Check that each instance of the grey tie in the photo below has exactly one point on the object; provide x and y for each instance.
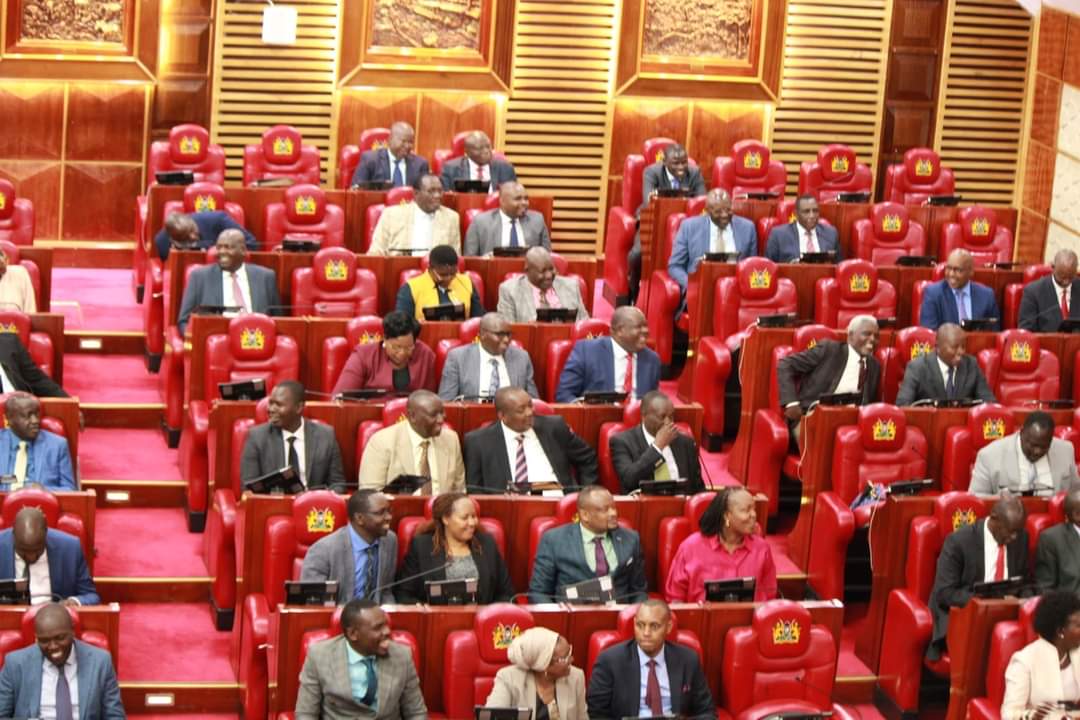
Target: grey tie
(494, 384)
(63, 697)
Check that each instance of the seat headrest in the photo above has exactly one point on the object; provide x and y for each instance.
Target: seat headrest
(857, 280)
(364, 329)
(7, 199)
(757, 277)
(590, 328)
(496, 626)
(457, 145)
(890, 221)
(695, 206)
(316, 514)
(394, 411)
(922, 166)
(915, 341)
(653, 149)
(305, 204)
(882, 427)
(334, 269)
(625, 623)
(281, 144)
(1031, 272)
(204, 197)
(785, 212)
(696, 505)
(542, 408)
(335, 620)
(399, 196)
(11, 250)
(252, 337)
(631, 415)
(782, 628)
(751, 158)
(1019, 350)
(836, 161)
(469, 331)
(989, 422)
(808, 336)
(13, 321)
(30, 497)
(188, 144)
(27, 624)
(374, 139)
(954, 510)
(977, 224)
(262, 410)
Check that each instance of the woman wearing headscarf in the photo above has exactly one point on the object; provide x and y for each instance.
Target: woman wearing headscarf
(542, 677)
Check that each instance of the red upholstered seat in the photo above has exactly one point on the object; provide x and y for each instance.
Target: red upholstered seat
(631, 417)
(908, 622)
(39, 344)
(11, 640)
(394, 196)
(785, 213)
(676, 528)
(1018, 370)
(977, 230)
(286, 538)
(836, 170)
(457, 149)
(203, 197)
(558, 351)
(49, 504)
(909, 343)
(856, 290)
(281, 154)
(472, 657)
(919, 287)
(917, 178)
(985, 424)
(749, 168)
(333, 286)
(1015, 291)
(888, 234)
(468, 332)
(16, 216)
(171, 376)
(304, 214)
(1007, 638)
(408, 526)
(336, 350)
(349, 155)
(603, 639)
(756, 289)
(393, 412)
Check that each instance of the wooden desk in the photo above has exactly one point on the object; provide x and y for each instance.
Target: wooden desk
(968, 639)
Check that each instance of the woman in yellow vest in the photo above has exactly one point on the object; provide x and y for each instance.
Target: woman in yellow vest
(441, 284)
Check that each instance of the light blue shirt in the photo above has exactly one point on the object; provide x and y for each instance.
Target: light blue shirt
(661, 675)
(358, 674)
(48, 460)
(963, 302)
(360, 559)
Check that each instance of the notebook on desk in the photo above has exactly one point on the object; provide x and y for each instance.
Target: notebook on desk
(472, 186)
(556, 315)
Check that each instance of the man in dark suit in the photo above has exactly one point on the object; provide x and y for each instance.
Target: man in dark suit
(478, 163)
(593, 547)
(649, 676)
(393, 164)
(52, 560)
(1057, 556)
(231, 282)
(718, 230)
(958, 297)
(197, 231)
(787, 243)
(620, 363)
(59, 676)
(512, 224)
(308, 447)
(655, 449)
(18, 373)
(1051, 299)
(963, 562)
(946, 373)
(522, 448)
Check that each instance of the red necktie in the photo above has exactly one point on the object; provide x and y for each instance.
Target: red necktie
(811, 246)
(652, 691)
(628, 381)
(999, 569)
(1064, 304)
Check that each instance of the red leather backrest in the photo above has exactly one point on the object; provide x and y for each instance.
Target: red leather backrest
(751, 159)
(334, 269)
(889, 221)
(252, 337)
(13, 321)
(7, 199)
(1018, 351)
(281, 145)
(188, 144)
(836, 162)
(989, 422)
(374, 139)
(922, 166)
(364, 329)
(857, 280)
(911, 342)
(204, 197)
(316, 514)
(30, 497)
(305, 204)
(394, 411)
(757, 278)
(882, 427)
(653, 149)
(807, 336)
(590, 328)
(496, 626)
(631, 413)
(977, 224)
(27, 623)
(400, 196)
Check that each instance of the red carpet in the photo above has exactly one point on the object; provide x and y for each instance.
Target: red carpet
(126, 454)
(147, 542)
(173, 642)
(95, 299)
(129, 382)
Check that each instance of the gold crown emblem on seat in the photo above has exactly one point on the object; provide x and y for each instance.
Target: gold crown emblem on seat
(919, 348)
(980, 227)
(960, 518)
(890, 223)
(792, 217)
(3, 201)
(786, 632)
(336, 270)
(1020, 352)
(760, 280)
(751, 160)
(205, 203)
(305, 205)
(379, 145)
(8, 328)
(884, 431)
(366, 338)
(860, 283)
(320, 520)
(659, 155)
(503, 635)
(283, 146)
(839, 164)
(252, 339)
(993, 429)
(189, 145)
(811, 344)
(924, 168)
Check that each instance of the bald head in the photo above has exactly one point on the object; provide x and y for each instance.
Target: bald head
(539, 267)
(513, 406)
(494, 334)
(629, 328)
(29, 532)
(718, 207)
(1006, 519)
(1064, 267)
(513, 200)
(478, 147)
(951, 341)
(424, 411)
(959, 267)
(401, 139)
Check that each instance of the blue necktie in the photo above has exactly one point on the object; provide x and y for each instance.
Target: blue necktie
(398, 179)
(675, 183)
(513, 234)
(961, 311)
(494, 386)
(63, 697)
(950, 383)
(372, 683)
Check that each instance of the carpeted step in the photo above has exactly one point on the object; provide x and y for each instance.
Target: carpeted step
(95, 299)
(147, 543)
(172, 642)
(109, 379)
(126, 454)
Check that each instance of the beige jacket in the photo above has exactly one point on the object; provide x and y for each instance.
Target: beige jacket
(394, 231)
(389, 453)
(515, 687)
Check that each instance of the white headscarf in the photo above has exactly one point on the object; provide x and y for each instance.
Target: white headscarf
(532, 649)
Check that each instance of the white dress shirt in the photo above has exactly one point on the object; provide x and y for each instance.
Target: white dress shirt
(622, 358)
(504, 237)
(415, 440)
(536, 460)
(50, 675)
(721, 240)
(299, 445)
(391, 161)
(473, 173)
(990, 554)
(669, 457)
(1034, 476)
(422, 230)
(228, 298)
(5, 382)
(661, 677)
(40, 581)
(802, 239)
(485, 371)
(849, 381)
(945, 373)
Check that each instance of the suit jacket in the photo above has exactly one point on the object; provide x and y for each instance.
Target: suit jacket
(939, 305)
(997, 467)
(517, 305)
(1057, 559)
(487, 464)
(204, 288)
(1039, 302)
(817, 372)
(264, 452)
(21, 370)
(485, 232)
(493, 579)
(462, 374)
(326, 691)
(374, 166)
(210, 224)
(331, 558)
(389, 453)
(692, 242)
(635, 461)
(655, 178)
(783, 243)
(369, 367)
(1033, 677)
(499, 171)
(591, 367)
(560, 561)
(99, 693)
(394, 230)
(922, 380)
(615, 686)
(959, 566)
(68, 573)
(515, 687)
(48, 461)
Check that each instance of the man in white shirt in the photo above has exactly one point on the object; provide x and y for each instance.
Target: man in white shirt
(476, 370)
(620, 363)
(788, 242)
(51, 560)
(511, 225)
(1031, 461)
(415, 227)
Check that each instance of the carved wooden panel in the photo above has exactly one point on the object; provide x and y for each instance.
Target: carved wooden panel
(180, 100)
(908, 126)
(97, 214)
(918, 23)
(443, 115)
(716, 126)
(361, 109)
(912, 76)
(638, 119)
(186, 39)
(106, 122)
(33, 120)
(40, 182)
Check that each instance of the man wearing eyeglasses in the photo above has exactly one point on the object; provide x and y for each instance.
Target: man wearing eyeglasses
(475, 371)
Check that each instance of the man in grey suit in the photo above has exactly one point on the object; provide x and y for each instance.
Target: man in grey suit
(946, 373)
(512, 224)
(307, 446)
(1057, 556)
(787, 243)
(231, 282)
(540, 286)
(37, 681)
(478, 163)
(362, 556)
(477, 370)
(361, 673)
(1029, 461)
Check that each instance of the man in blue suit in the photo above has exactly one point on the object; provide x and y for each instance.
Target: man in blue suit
(53, 561)
(231, 282)
(718, 230)
(197, 231)
(958, 297)
(394, 164)
(787, 243)
(28, 453)
(78, 681)
(603, 364)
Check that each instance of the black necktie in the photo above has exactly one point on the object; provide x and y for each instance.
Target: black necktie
(63, 697)
(950, 383)
(294, 458)
(862, 373)
(372, 570)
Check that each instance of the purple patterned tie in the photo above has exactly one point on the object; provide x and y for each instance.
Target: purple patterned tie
(601, 558)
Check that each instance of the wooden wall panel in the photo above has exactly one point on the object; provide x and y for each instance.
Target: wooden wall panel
(33, 121)
(185, 44)
(180, 100)
(40, 182)
(635, 120)
(106, 123)
(358, 110)
(716, 126)
(93, 209)
(444, 115)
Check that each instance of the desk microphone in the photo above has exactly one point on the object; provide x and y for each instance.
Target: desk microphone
(430, 571)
